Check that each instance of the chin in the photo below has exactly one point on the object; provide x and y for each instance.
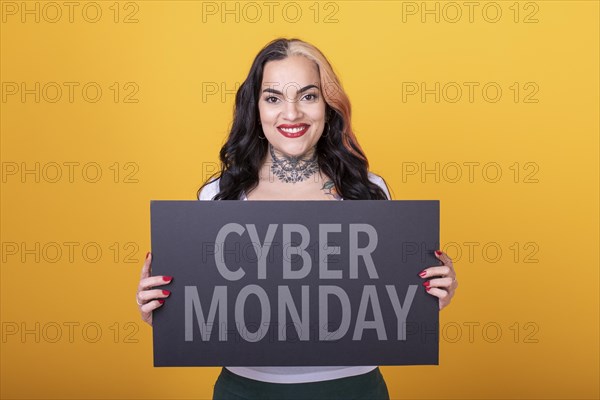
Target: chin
(292, 149)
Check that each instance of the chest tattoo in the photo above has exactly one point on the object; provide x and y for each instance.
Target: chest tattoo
(329, 188)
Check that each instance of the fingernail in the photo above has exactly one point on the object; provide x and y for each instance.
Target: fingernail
(422, 273)
(167, 278)
(161, 301)
(439, 253)
(428, 288)
(426, 283)
(147, 254)
(166, 292)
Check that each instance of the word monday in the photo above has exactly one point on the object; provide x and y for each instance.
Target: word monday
(298, 310)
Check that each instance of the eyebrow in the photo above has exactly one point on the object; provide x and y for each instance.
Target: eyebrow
(302, 90)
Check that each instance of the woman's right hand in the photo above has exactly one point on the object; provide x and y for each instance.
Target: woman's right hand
(147, 297)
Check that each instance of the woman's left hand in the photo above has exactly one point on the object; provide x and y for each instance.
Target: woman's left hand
(444, 283)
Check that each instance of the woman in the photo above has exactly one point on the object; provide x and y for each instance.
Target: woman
(292, 139)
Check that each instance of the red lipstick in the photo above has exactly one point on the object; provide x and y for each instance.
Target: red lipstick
(293, 130)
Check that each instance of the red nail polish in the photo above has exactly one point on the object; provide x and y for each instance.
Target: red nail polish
(439, 253)
(167, 278)
(161, 301)
(428, 288)
(147, 254)
(426, 283)
(422, 273)
(166, 292)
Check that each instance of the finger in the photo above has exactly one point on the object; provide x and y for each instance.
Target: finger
(443, 257)
(146, 268)
(152, 305)
(445, 282)
(147, 295)
(444, 300)
(439, 293)
(435, 271)
(153, 281)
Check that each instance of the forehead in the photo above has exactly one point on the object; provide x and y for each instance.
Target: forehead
(296, 70)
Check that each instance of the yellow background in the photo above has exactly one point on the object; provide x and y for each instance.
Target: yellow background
(547, 310)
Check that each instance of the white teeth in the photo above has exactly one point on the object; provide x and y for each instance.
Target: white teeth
(293, 130)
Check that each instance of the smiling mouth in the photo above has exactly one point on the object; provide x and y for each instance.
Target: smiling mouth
(293, 131)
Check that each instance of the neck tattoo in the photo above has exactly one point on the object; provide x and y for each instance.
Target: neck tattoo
(293, 169)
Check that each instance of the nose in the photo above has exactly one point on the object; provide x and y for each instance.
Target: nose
(292, 110)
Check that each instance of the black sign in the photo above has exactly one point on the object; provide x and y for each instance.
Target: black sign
(295, 283)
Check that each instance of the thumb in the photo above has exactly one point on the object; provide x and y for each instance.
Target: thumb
(147, 268)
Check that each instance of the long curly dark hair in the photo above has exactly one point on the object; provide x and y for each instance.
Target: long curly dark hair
(339, 155)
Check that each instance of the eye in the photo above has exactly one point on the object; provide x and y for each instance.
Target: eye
(314, 96)
(268, 99)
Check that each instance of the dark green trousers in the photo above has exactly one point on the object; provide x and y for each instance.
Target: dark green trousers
(369, 386)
